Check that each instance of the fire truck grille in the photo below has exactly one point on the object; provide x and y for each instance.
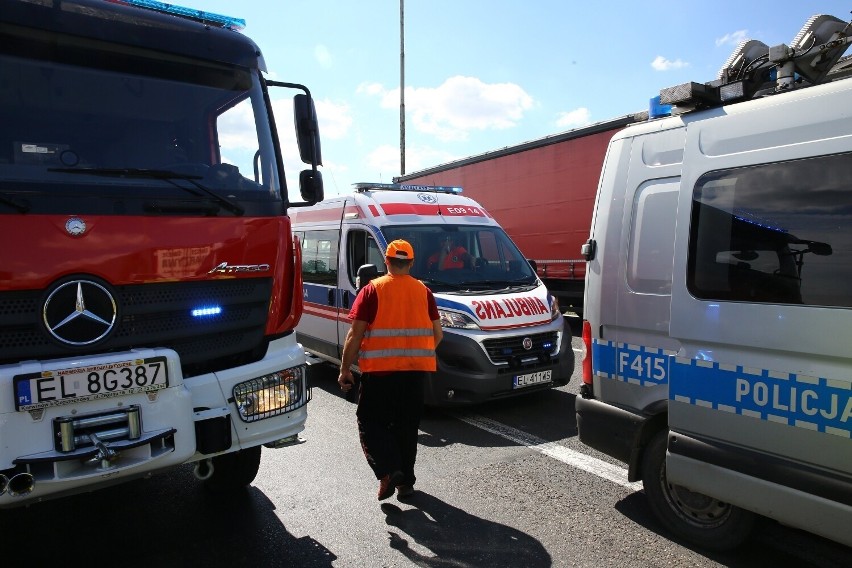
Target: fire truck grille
(511, 350)
(155, 315)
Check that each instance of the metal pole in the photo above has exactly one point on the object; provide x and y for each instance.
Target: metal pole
(401, 87)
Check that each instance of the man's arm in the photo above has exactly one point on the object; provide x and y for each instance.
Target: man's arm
(437, 331)
(350, 352)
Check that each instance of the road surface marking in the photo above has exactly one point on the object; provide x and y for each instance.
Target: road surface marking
(568, 456)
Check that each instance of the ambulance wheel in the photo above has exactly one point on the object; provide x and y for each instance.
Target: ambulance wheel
(707, 522)
(234, 471)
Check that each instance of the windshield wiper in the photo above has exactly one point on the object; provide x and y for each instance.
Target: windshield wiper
(165, 175)
(518, 282)
(441, 283)
(22, 207)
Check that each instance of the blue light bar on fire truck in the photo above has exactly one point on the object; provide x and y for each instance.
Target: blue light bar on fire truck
(361, 187)
(226, 22)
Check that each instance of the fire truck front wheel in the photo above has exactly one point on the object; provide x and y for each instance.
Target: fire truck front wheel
(703, 520)
(234, 471)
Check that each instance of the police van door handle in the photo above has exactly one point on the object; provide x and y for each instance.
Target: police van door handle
(331, 293)
(345, 298)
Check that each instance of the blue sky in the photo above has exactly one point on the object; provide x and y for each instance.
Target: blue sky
(481, 75)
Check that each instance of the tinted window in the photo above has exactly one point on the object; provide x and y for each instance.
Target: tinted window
(774, 233)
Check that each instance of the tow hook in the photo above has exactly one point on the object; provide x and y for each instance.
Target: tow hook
(203, 469)
(105, 454)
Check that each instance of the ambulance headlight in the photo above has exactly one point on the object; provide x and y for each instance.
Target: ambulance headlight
(456, 320)
(555, 312)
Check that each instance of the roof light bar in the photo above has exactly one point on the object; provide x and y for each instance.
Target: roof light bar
(364, 186)
(226, 22)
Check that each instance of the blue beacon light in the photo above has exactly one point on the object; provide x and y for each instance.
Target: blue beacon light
(206, 312)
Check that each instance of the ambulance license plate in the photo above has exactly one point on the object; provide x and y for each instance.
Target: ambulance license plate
(531, 379)
(78, 384)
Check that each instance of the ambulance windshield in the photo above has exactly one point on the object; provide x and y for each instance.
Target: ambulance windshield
(459, 258)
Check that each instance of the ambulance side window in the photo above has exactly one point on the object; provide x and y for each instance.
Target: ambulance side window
(362, 249)
(319, 257)
(774, 233)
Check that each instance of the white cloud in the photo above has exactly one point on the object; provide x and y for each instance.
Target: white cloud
(660, 63)
(458, 105)
(385, 160)
(732, 38)
(323, 56)
(577, 117)
(334, 119)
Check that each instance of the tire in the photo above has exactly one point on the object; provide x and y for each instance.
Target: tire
(703, 520)
(234, 472)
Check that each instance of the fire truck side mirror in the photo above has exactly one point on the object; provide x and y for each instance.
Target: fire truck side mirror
(310, 186)
(307, 130)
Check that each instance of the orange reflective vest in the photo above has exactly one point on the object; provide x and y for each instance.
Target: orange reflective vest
(401, 337)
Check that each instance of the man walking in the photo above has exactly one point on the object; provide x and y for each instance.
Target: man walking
(395, 329)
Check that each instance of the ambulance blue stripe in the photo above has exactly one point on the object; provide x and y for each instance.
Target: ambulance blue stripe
(813, 403)
(443, 302)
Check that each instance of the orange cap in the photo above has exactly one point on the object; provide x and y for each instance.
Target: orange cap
(399, 249)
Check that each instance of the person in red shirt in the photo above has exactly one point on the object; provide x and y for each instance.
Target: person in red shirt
(395, 329)
(449, 256)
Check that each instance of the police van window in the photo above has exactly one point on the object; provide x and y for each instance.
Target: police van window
(362, 249)
(774, 233)
(651, 248)
(319, 257)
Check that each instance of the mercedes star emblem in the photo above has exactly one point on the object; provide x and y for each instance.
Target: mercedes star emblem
(75, 226)
(79, 312)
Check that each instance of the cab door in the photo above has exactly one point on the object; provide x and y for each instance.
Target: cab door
(317, 330)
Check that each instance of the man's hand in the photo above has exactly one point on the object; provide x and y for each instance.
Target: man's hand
(345, 379)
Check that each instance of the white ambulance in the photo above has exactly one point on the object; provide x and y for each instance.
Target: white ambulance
(503, 332)
(718, 298)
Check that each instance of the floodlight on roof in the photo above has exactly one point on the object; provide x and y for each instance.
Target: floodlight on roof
(823, 40)
(748, 54)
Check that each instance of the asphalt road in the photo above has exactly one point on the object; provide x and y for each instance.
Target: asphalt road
(503, 484)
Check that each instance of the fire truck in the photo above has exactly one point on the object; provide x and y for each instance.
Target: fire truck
(149, 282)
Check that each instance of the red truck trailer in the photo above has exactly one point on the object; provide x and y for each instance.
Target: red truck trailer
(149, 280)
(542, 192)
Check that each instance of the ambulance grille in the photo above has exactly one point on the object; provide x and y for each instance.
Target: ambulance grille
(511, 351)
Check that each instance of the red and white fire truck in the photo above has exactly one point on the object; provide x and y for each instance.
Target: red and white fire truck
(147, 265)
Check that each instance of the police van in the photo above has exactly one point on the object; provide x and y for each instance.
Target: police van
(718, 325)
(503, 332)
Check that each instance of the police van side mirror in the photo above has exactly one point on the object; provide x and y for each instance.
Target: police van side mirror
(588, 250)
(366, 272)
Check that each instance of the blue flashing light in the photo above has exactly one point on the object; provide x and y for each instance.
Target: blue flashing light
(547, 345)
(405, 187)
(657, 110)
(226, 22)
(206, 312)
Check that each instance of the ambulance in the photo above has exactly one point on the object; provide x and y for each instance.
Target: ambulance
(718, 322)
(503, 332)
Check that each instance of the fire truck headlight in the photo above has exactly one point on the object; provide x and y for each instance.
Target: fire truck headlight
(456, 320)
(271, 395)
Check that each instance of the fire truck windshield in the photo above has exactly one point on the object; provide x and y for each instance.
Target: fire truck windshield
(82, 124)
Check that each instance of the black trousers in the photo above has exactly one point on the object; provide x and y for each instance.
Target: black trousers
(389, 411)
